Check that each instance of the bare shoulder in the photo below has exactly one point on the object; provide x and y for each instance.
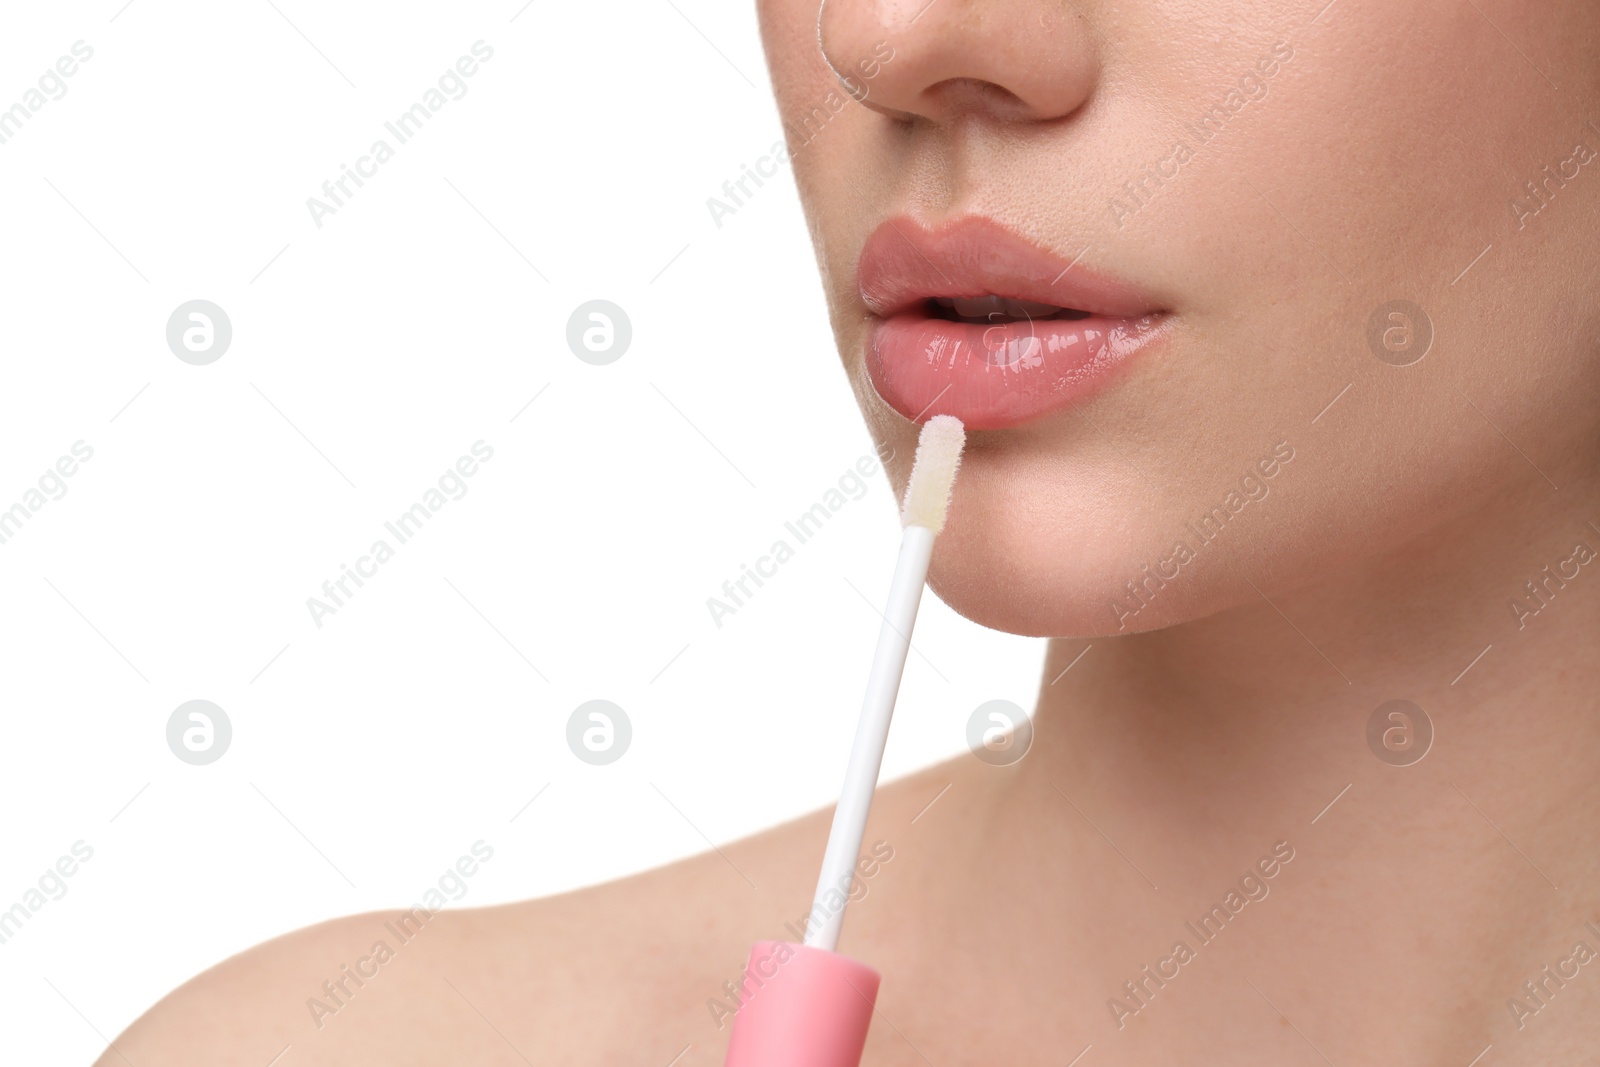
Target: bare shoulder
(638, 970)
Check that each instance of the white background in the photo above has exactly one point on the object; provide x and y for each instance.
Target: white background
(367, 355)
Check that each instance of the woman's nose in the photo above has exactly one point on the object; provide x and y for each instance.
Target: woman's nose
(1007, 60)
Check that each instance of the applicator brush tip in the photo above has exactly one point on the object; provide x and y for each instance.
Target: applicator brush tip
(933, 472)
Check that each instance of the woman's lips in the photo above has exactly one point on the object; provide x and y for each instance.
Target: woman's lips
(1006, 368)
(993, 377)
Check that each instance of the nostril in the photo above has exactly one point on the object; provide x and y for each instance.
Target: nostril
(955, 97)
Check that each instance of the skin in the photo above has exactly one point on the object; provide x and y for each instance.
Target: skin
(1230, 715)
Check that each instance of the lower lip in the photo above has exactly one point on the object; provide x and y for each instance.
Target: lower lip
(996, 377)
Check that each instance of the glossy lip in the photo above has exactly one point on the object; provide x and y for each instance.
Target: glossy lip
(1004, 375)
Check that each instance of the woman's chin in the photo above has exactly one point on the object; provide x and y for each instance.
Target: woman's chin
(1018, 586)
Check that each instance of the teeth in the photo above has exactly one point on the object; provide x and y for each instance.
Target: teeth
(1028, 309)
(978, 307)
(995, 308)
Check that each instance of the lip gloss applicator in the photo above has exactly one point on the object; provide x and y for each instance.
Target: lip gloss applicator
(806, 1005)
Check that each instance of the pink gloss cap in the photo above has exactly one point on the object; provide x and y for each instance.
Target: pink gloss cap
(806, 1007)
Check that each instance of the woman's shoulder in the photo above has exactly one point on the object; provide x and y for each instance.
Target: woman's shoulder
(641, 969)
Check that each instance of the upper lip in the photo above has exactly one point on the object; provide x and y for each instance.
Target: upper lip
(904, 263)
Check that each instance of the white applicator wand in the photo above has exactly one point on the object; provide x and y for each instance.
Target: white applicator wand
(806, 1005)
(933, 475)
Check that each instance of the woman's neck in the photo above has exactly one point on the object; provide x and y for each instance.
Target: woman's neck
(1193, 751)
